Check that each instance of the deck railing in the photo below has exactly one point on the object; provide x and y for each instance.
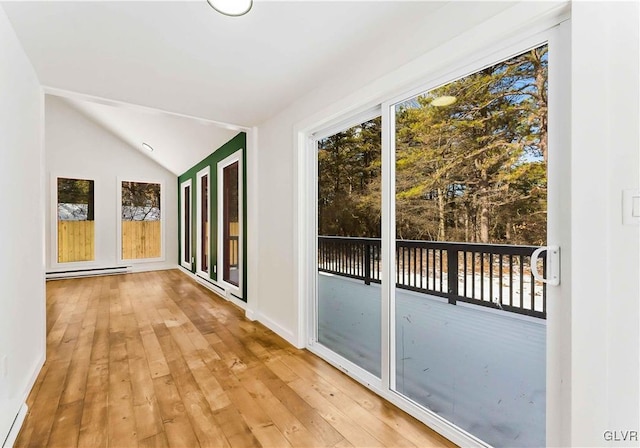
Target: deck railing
(491, 275)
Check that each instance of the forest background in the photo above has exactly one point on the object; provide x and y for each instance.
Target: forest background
(474, 170)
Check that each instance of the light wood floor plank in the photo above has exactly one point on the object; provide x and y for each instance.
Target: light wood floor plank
(156, 360)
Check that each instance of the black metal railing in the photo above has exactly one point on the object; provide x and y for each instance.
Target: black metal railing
(492, 275)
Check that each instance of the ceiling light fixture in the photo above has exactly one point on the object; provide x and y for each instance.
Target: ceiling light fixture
(233, 8)
(443, 101)
(147, 147)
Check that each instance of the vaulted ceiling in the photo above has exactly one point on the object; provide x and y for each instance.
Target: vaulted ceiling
(185, 58)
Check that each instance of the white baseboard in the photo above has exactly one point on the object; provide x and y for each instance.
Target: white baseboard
(250, 314)
(277, 329)
(34, 377)
(16, 427)
(151, 267)
(215, 288)
(22, 412)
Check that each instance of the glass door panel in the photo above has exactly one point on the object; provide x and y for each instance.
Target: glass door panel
(203, 212)
(185, 233)
(349, 250)
(204, 223)
(469, 338)
(231, 224)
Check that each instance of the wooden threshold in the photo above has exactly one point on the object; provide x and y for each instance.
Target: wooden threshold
(155, 360)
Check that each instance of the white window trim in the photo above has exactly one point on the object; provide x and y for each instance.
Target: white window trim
(230, 289)
(552, 31)
(183, 243)
(128, 261)
(351, 121)
(202, 173)
(55, 264)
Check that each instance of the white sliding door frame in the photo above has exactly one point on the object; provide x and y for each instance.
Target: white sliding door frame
(558, 326)
(318, 348)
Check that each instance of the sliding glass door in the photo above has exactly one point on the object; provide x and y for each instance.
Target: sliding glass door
(349, 256)
(470, 209)
(426, 250)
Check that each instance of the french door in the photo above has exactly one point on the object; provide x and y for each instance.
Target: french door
(186, 255)
(203, 227)
(429, 215)
(230, 225)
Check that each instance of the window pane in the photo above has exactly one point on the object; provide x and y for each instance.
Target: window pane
(76, 237)
(349, 248)
(231, 224)
(471, 207)
(204, 224)
(141, 221)
(186, 228)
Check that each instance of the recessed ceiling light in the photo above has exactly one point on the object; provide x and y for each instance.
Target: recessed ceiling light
(443, 101)
(147, 147)
(232, 8)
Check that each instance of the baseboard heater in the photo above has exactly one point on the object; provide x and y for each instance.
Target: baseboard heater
(87, 272)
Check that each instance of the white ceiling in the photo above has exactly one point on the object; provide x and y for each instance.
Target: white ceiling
(185, 57)
(124, 62)
(178, 142)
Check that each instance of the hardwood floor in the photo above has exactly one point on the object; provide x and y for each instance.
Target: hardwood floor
(156, 360)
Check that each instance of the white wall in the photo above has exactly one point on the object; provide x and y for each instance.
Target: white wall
(605, 253)
(603, 282)
(277, 181)
(22, 299)
(77, 147)
(471, 27)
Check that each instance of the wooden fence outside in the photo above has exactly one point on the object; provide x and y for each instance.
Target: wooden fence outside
(76, 241)
(141, 239)
(234, 243)
(234, 228)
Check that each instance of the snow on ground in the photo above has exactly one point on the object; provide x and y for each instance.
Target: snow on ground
(480, 288)
(482, 369)
(72, 212)
(137, 213)
(79, 212)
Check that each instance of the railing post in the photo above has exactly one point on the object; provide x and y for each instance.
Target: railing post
(452, 275)
(367, 263)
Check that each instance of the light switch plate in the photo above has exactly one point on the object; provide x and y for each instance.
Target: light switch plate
(631, 207)
(635, 207)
